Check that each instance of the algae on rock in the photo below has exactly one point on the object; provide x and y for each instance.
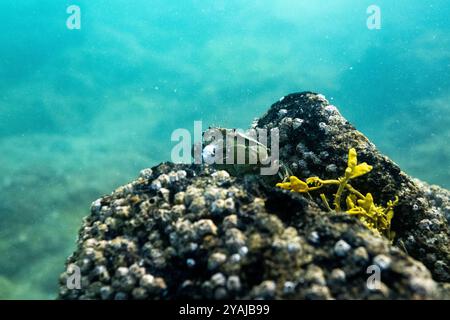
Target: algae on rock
(193, 231)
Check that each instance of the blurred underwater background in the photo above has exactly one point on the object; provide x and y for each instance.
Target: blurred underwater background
(83, 111)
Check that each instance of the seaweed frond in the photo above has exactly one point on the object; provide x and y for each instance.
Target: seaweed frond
(375, 217)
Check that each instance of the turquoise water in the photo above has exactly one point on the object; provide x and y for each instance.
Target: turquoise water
(82, 111)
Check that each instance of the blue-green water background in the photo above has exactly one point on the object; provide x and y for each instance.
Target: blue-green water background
(82, 111)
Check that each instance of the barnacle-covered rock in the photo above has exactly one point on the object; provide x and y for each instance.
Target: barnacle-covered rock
(194, 231)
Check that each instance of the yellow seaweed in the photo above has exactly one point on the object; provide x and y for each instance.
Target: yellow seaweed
(375, 217)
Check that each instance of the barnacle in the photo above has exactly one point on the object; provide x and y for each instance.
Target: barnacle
(373, 216)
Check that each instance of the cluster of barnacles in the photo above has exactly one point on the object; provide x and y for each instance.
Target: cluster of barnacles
(375, 217)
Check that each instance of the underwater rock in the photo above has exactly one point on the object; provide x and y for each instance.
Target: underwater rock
(193, 231)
